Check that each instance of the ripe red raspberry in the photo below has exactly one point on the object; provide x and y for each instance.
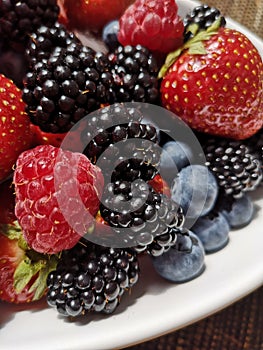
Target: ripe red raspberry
(57, 196)
(154, 24)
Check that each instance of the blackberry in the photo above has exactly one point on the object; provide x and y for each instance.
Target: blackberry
(236, 169)
(91, 278)
(202, 16)
(118, 133)
(135, 73)
(45, 39)
(66, 82)
(106, 118)
(176, 238)
(139, 214)
(142, 166)
(160, 244)
(128, 160)
(18, 19)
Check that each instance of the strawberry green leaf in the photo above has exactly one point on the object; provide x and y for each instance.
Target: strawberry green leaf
(40, 285)
(193, 28)
(24, 273)
(197, 49)
(29, 269)
(22, 243)
(170, 59)
(11, 231)
(33, 269)
(194, 46)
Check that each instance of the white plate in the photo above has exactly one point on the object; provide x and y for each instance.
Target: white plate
(155, 307)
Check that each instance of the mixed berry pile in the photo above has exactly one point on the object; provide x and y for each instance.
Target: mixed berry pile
(90, 180)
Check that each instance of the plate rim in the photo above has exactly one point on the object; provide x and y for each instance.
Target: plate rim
(124, 342)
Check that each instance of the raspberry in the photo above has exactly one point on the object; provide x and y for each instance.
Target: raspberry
(154, 24)
(57, 195)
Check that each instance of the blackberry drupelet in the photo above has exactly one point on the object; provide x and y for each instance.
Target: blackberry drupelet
(118, 133)
(236, 169)
(18, 19)
(129, 160)
(123, 147)
(176, 238)
(45, 39)
(160, 244)
(65, 84)
(135, 73)
(107, 118)
(91, 278)
(141, 216)
(203, 17)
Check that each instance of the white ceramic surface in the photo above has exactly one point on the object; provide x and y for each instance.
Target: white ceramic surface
(155, 306)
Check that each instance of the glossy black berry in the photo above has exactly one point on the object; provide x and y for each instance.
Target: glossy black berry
(91, 278)
(236, 169)
(123, 147)
(135, 71)
(66, 80)
(203, 16)
(140, 216)
(20, 18)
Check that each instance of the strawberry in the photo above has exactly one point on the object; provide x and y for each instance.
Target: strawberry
(57, 195)
(160, 185)
(62, 18)
(15, 133)
(69, 140)
(23, 272)
(154, 24)
(45, 138)
(94, 14)
(216, 83)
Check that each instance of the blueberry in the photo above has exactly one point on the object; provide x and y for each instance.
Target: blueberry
(241, 212)
(181, 265)
(110, 35)
(195, 189)
(213, 231)
(175, 156)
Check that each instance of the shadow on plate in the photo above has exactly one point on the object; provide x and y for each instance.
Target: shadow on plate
(149, 283)
(9, 310)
